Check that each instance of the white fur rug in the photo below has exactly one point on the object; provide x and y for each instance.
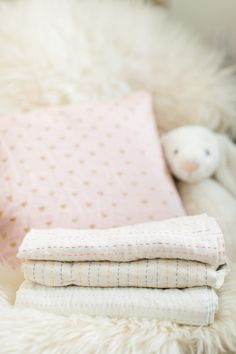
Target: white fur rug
(34, 332)
(60, 51)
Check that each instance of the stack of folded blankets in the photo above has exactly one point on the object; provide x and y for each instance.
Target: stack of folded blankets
(163, 270)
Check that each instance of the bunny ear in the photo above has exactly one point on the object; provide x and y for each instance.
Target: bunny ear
(226, 172)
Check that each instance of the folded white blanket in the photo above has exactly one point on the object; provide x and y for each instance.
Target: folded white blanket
(193, 306)
(156, 273)
(196, 238)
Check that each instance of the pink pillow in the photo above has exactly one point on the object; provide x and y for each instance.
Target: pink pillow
(89, 166)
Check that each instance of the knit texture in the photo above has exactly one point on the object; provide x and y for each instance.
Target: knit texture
(197, 238)
(193, 306)
(155, 273)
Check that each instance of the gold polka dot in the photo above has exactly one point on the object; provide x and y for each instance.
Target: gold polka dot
(13, 244)
(39, 138)
(52, 167)
(110, 183)
(42, 178)
(122, 152)
(106, 163)
(75, 194)
(51, 194)
(86, 183)
(127, 163)
(7, 178)
(68, 156)
(24, 204)
(152, 188)
(26, 229)
(12, 219)
(144, 173)
(49, 223)
(19, 184)
(71, 172)
(41, 208)
(92, 153)
(109, 135)
(1, 213)
(28, 125)
(12, 147)
(94, 172)
(4, 235)
(88, 205)
(19, 136)
(52, 147)
(104, 215)
(120, 173)
(61, 183)
(144, 201)
(62, 137)
(114, 205)
(84, 136)
(10, 198)
(134, 183)
(75, 220)
(81, 161)
(4, 160)
(125, 194)
(43, 158)
(92, 226)
(117, 126)
(128, 218)
(34, 190)
(100, 193)
(163, 202)
(21, 161)
(101, 144)
(76, 146)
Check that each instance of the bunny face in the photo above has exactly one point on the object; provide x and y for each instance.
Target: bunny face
(192, 153)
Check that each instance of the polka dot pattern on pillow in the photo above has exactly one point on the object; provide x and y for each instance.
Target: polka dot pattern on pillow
(88, 166)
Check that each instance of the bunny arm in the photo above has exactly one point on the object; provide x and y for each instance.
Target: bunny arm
(226, 172)
(212, 198)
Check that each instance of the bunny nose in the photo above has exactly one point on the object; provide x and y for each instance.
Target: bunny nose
(190, 166)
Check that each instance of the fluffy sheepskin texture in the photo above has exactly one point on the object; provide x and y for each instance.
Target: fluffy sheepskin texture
(61, 51)
(34, 332)
(66, 51)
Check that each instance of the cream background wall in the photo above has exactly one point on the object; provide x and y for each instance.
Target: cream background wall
(214, 19)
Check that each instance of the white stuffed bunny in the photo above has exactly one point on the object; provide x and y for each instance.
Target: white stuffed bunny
(195, 153)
